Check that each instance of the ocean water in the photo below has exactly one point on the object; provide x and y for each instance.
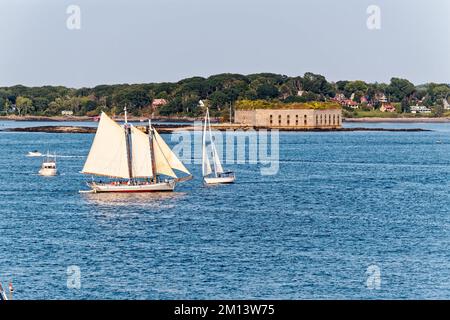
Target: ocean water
(342, 202)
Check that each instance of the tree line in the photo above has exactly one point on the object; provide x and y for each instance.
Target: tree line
(218, 91)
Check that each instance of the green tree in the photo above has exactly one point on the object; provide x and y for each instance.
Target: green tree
(23, 104)
(267, 91)
(405, 106)
(399, 89)
(217, 100)
(357, 87)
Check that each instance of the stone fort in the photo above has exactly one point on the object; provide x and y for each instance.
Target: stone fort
(290, 118)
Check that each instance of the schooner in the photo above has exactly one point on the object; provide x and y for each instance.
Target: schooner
(134, 160)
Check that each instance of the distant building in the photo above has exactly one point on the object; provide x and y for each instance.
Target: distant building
(420, 109)
(339, 97)
(387, 107)
(156, 103)
(446, 104)
(363, 100)
(67, 113)
(290, 118)
(349, 104)
(380, 97)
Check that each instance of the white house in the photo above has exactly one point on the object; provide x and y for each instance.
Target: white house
(446, 104)
(420, 109)
(67, 113)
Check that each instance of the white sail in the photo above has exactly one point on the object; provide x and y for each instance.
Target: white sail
(216, 161)
(108, 155)
(206, 166)
(169, 156)
(141, 154)
(161, 164)
(217, 165)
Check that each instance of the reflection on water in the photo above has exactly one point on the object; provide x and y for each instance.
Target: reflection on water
(142, 200)
(131, 206)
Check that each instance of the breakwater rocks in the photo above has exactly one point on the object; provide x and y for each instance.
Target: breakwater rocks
(173, 128)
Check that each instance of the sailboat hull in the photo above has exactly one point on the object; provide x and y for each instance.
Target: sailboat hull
(219, 180)
(140, 188)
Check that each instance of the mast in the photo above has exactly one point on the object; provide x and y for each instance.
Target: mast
(152, 150)
(128, 142)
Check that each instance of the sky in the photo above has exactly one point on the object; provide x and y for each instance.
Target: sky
(137, 41)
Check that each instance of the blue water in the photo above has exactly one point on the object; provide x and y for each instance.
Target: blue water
(342, 201)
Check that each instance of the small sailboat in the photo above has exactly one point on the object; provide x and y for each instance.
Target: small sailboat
(48, 167)
(216, 175)
(133, 160)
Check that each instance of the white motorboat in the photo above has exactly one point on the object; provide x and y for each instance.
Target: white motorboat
(132, 160)
(34, 154)
(215, 175)
(48, 167)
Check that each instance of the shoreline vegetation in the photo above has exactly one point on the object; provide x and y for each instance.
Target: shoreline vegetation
(88, 119)
(222, 93)
(416, 119)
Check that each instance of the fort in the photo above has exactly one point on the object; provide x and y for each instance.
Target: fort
(295, 116)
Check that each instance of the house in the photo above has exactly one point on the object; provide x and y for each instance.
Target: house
(156, 103)
(420, 109)
(387, 107)
(67, 113)
(363, 100)
(349, 104)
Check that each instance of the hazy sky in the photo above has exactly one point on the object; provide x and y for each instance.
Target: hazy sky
(133, 41)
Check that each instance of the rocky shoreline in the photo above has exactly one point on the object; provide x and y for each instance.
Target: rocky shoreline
(174, 128)
(398, 120)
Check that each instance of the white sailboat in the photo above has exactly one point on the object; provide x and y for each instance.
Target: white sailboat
(134, 160)
(216, 174)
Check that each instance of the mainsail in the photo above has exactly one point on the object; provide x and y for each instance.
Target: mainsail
(141, 154)
(108, 155)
